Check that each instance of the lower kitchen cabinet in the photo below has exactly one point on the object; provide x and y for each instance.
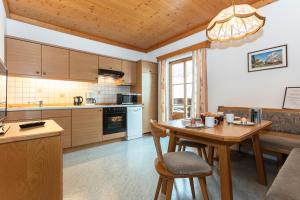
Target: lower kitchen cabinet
(63, 119)
(86, 126)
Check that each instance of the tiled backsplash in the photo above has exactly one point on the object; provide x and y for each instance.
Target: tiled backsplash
(30, 90)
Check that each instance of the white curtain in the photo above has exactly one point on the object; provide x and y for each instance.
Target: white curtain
(199, 87)
(162, 92)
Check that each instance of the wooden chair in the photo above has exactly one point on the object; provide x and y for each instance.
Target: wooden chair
(183, 143)
(178, 165)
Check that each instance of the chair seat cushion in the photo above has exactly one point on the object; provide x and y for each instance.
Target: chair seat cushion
(191, 143)
(287, 183)
(185, 162)
(279, 142)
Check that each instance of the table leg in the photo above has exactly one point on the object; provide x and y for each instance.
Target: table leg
(211, 152)
(225, 172)
(259, 160)
(171, 148)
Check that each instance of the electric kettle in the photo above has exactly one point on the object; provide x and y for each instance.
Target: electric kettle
(78, 100)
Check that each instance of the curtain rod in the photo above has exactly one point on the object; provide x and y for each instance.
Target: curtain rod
(205, 44)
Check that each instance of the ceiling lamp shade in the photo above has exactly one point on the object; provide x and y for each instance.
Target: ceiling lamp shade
(235, 22)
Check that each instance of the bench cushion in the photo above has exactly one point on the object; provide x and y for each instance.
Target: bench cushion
(282, 142)
(287, 183)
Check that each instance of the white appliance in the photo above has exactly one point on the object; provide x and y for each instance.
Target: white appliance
(134, 122)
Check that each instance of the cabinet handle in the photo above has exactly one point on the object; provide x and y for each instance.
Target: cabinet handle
(44, 73)
(37, 72)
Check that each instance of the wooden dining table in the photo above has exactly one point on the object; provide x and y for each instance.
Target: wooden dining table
(222, 137)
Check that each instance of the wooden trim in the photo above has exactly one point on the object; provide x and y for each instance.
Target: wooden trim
(205, 44)
(199, 28)
(73, 32)
(221, 108)
(5, 4)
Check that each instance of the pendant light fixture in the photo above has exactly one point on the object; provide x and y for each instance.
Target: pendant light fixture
(235, 22)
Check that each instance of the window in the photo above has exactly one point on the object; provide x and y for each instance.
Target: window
(181, 72)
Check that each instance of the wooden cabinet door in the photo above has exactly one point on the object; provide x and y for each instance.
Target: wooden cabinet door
(23, 58)
(83, 66)
(110, 63)
(55, 62)
(129, 69)
(149, 97)
(86, 126)
(14, 116)
(149, 67)
(63, 119)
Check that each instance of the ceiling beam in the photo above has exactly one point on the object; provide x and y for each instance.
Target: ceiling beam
(199, 28)
(205, 44)
(73, 32)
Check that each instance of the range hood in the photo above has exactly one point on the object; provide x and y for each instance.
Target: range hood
(111, 73)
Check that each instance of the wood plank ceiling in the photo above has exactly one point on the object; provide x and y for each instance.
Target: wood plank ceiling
(142, 25)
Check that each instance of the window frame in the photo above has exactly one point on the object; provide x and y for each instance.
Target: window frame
(184, 61)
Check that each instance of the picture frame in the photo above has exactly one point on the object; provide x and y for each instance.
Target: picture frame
(265, 59)
(291, 98)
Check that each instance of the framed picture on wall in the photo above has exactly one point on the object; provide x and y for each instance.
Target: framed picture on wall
(291, 98)
(271, 58)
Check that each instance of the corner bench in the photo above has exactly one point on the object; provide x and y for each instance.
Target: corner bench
(287, 183)
(284, 133)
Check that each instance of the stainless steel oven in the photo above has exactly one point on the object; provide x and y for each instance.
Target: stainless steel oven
(114, 120)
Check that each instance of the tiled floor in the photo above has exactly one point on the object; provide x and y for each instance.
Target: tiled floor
(125, 171)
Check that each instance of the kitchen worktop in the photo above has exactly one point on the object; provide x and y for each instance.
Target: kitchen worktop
(57, 107)
(15, 134)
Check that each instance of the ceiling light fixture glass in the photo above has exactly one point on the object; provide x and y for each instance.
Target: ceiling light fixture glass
(235, 22)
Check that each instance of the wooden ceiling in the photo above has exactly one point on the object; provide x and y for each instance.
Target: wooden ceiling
(141, 25)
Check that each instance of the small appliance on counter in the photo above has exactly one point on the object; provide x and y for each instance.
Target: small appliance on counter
(130, 98)
(90, 98)
(77, 100)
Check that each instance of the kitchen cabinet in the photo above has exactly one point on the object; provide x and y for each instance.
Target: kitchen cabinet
(110, 63)
(147, 85)
(63, 119)
(86, 126)
(31, 163)
(83, 66)
(129, 69)
(55, 62)
(23, 58)
(14, 116)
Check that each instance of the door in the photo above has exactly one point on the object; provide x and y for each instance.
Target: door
(23, 58)
(86, 126)
(83, 66)
(149, 96)
(129, 69)
(110, 63)
(55, 62)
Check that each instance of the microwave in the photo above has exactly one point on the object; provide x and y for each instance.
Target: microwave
(127, 98)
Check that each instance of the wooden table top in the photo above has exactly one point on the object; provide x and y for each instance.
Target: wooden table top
(15, 134)
(223, 132)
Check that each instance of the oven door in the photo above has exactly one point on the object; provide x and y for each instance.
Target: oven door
(114, 123)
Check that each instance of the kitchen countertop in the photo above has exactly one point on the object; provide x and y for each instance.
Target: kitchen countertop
(58, 107)
(15, 134)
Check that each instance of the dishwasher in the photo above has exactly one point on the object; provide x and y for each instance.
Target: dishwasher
(134, 122)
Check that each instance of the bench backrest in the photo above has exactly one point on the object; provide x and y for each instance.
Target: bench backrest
(283, 120)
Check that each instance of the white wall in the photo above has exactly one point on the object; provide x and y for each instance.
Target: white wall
(229, 82)
(2, 31)
(31, 32)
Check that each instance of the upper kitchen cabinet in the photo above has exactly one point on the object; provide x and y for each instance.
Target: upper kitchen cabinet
(129, 69)
(83, 66)
(110, 63)
(23, 58)
(55, 62)
(149, 67)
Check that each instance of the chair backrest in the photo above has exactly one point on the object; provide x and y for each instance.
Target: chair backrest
(158, 132)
